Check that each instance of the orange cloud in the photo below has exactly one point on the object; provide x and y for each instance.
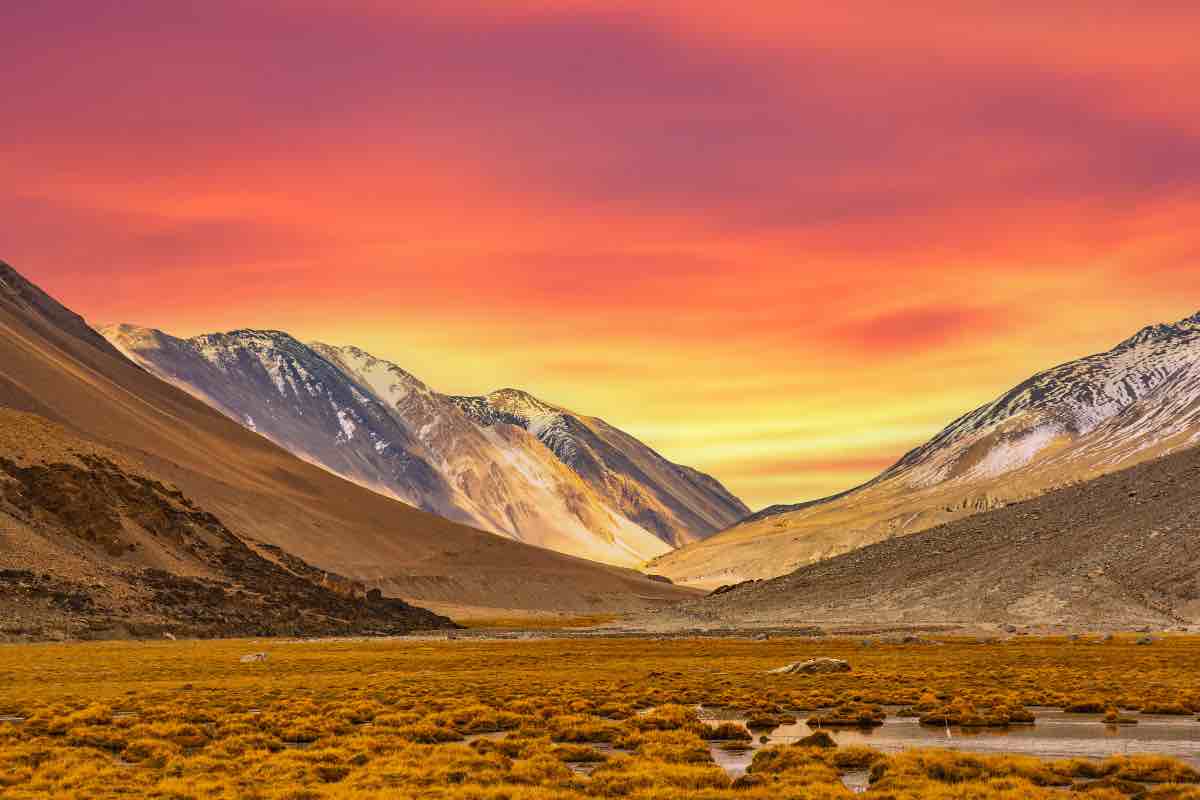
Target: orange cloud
(918, 329)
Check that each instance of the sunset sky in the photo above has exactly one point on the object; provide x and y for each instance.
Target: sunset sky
(782, 242)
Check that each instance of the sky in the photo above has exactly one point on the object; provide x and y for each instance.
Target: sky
(782, 242)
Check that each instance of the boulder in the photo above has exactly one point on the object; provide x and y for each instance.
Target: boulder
(1145, 640)
(814, 666)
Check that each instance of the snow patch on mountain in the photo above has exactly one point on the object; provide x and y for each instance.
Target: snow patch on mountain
(1013, 452)
(346, 419)
(1071, 400)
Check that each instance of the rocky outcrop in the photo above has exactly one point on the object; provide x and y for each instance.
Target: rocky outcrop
(221, 586)
(814, 666)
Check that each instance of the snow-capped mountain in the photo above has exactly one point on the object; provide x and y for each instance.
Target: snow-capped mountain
(279, 387)
(371, 421)
(1073, 422)
(1060, 407)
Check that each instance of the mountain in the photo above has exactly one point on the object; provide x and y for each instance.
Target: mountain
(54, 367)
(277, 386)
(507, 479)
(1117, 551)
(1077, 421)
(507, 463)
(677, 503)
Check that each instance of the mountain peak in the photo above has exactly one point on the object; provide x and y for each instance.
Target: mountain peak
(562, 486)
(267, 334)
(521, 403)
(1191, 322)
(249, 337)
(383, 375)
(349, 349)
(28, 299)
(127, 337)
(1151, 333)
(1162, 332)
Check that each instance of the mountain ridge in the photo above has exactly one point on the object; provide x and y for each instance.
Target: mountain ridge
(1068, 423)
(507, 462)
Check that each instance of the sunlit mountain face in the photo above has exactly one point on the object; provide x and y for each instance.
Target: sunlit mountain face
(506, 462)
(783, 246)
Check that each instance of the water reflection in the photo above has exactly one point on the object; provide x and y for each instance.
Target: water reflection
(1055, 735)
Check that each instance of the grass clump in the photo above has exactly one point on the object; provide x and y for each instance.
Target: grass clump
(963, 713)
(850, 716)
(1114, 717)
(726, 731)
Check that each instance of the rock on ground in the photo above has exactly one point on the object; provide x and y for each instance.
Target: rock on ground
(814, 666)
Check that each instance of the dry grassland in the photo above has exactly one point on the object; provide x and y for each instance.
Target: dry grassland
(558, 718)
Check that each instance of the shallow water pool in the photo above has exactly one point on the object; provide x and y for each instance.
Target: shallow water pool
(1054, 735)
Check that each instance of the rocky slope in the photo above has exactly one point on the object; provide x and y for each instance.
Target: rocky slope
(1076, 421)
(90, 545)
(676, 503)
(1119, 550)
(504, 478)
(556, 480)
(54, 366)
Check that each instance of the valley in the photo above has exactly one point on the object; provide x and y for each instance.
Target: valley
(500, 400)
(1086, 519)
